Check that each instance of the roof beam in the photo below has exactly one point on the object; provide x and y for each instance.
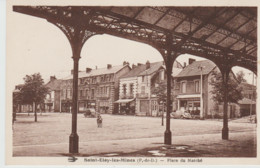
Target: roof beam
(220, 26)
(247, 34)
(198, 28)
(248, 20)
(187, 16)
(165, 13)
(227, 29)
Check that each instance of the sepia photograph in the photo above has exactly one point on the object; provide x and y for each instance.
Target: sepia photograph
(131, 84)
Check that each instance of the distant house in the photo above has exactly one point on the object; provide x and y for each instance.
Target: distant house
(20, 106)
(248, 104)
(187, 91)
(52, 101)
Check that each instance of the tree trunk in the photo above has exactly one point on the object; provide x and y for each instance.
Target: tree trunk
(35, 112)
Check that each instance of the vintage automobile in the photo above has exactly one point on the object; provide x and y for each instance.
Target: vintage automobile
(90, 113)
(181, 114)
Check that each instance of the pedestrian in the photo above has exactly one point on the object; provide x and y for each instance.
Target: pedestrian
(99, 121)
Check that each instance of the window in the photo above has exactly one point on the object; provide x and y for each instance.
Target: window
(197, 86)
(142, 89)
(131, 88)
(68, 94)
(92, 93)
(143, 78)
(81, 93)
(183, 87)
(124, 89)
(161, 75)
(87, 94)
(108, 90)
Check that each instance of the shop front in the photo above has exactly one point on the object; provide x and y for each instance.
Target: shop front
(189, 104)
(126, 106)
(66, 105)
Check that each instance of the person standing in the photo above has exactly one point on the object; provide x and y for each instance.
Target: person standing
(99, 121)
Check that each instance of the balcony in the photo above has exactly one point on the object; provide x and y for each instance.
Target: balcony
(126, 96)
(189, 88)
(102, 96)
(142, 95)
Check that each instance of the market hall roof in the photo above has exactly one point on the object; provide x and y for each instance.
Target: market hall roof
(215, 33)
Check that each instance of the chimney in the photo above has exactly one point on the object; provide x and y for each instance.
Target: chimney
(72, 71)
(109, 66)
(133, 66)
(191, 60)
(96, 67)
(88, 70)
(52, 78)
(147, 65)
(125, 63)
(184, 64)
(139, 64)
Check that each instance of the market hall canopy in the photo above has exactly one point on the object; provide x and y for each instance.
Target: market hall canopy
(225, 35)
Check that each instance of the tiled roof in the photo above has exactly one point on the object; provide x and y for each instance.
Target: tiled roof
(194, 70)
(153, 68)
(96, 72)
(246, 101)
(134, 72)
(176, 71)
(141, 70)
(54, 84)
(247, 86)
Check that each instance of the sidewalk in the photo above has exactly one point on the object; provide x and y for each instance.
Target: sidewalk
(240, 144)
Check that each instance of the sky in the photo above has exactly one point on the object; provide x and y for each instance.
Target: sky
(35, 45)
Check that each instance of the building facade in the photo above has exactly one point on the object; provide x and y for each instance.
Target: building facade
(193, 92)
(98, 89)
(155, 74)
(136, 88)
(52, 102)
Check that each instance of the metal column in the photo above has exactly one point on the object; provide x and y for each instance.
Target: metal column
(225, 76)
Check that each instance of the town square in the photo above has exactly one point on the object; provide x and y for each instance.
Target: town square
(133, 81)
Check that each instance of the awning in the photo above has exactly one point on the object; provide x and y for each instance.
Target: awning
(124, 100)
(246, 101)
(188, 96)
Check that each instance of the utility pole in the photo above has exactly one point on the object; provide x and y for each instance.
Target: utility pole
(201, 94)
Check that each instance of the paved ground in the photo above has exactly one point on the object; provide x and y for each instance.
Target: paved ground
(131, 136)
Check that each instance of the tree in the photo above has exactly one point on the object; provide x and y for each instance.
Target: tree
(17, 100)
(240, 77)
(233, 87)
(160, 90)
(33, 91)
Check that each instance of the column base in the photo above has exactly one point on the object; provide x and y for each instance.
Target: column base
(225, 133)
(74, 143)
(167, 137)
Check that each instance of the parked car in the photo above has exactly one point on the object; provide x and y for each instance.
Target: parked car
(186, 115)
(181, 114)
(90, 113)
